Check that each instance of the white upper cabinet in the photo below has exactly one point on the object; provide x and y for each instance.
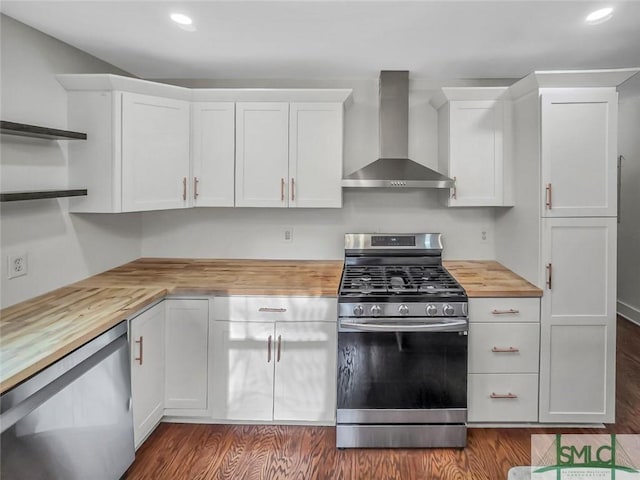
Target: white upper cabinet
(212, 154)
(315, 155)
(155, 152)
(152, 146)
(578, 152)
(289, 154)
(262, 154)
(473, 145)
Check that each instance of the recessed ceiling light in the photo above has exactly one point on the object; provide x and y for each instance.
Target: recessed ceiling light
(599, 16)
(181, 19)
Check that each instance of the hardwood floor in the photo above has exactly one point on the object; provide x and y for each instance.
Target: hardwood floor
(184, 451)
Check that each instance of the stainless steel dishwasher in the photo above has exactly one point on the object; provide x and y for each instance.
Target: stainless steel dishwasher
(73, 420)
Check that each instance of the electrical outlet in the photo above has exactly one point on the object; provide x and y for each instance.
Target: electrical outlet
(484, 235)
(288, 235)
(17, 265)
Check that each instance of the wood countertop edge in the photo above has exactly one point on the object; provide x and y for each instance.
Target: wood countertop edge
(87, 335)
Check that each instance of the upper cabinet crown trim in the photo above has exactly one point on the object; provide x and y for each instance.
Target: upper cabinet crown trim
(571, 79)
(108, 82)
(447, 94)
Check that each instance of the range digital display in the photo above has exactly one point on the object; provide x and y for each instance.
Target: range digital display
(393, 241)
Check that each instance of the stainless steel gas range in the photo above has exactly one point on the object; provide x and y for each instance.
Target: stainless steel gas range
(402, 345)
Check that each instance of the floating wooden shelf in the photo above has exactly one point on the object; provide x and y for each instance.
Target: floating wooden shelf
(24, 130)
(39, 194)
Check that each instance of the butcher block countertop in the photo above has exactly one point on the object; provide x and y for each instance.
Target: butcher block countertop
(36, 333)
(488, 278)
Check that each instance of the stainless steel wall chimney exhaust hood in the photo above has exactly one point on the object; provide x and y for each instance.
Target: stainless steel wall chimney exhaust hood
(393, 168)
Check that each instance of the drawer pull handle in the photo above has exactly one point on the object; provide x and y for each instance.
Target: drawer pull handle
(512, 311)
(505, 350)
(503, 395)
(272, 310)
(141, 343)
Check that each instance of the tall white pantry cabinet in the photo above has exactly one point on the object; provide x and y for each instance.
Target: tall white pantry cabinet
(562, 233)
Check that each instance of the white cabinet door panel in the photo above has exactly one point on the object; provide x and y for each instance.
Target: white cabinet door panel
(578, 145)
(155, 152)
(244, 358)
(262, 149)
(315, 155)
(213, 154)
(476, 152)
(147, 370)
(578, 327)
(186, 354)
(305, 385)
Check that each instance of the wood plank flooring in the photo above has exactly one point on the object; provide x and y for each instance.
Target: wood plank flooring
(235, 452)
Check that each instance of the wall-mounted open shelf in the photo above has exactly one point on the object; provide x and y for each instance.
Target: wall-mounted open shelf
(40, 194)
(34, 131)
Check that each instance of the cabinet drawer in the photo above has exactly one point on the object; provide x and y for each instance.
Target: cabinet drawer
(504, 309)
(503, 398)
(504, 347)
(275, 309)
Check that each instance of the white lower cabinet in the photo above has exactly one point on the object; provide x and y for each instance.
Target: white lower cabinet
(280, 371)
(186, 357)
(504, 352)
(147, 370)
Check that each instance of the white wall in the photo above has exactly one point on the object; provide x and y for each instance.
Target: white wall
(629, 226)
(319, 233)
(61, 248)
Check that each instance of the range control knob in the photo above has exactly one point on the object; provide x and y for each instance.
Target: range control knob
(431, 309)
(358, 310)
(375, 310)
(403, 309)
(448, 310)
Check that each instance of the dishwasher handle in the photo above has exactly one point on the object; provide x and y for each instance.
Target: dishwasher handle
(16, 413)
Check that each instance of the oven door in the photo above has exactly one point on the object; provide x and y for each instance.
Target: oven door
(402, 372)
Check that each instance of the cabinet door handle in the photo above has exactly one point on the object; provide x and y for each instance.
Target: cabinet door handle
(195, 187)
(293, 189)
(454, 194)
(272, 310)
(505, 312)
(282, 189)
(141, 343)
(549, 193)
(269, 349)
(279, 347)
(503, 395)
(505, 350)
(549, 268)
(184, 189)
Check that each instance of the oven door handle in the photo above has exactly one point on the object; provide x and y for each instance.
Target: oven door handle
(459, 325)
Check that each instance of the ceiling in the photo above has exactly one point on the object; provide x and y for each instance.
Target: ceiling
(323, 39)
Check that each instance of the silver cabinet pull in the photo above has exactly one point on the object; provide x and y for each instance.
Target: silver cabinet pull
(269, 349)
(503, 395)
(141, 343)
(282, 189)
(454, 194)
(195, 188)
(549, 268)
(505, 312)
(279, 348)
(272, 310)
(184, 188)
(293, 189)
(505, 350)
(548, 191)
